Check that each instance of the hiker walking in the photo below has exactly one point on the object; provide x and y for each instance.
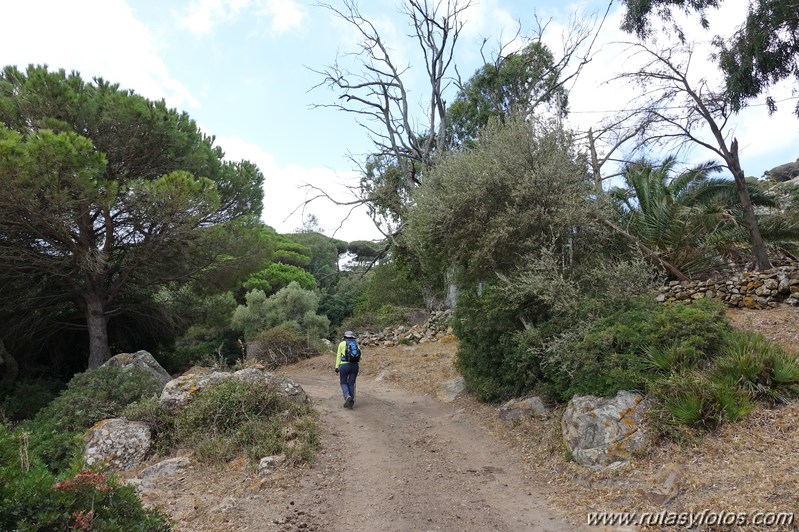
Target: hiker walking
(348, 355)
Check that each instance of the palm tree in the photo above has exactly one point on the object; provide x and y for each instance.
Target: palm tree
(693, 220)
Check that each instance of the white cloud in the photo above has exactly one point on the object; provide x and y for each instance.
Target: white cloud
(286, 15)
(285, 194)
(99, 38)
(486, 18)
(203, 15)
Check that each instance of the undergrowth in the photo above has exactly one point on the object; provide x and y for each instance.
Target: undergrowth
(33, 498)
(231, 418)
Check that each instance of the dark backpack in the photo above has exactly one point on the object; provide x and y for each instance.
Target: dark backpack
(352, 353)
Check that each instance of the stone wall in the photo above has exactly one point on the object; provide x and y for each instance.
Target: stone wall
(432, 330)
(754, 290)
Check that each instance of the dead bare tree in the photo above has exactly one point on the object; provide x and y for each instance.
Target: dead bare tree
(377, 93)
(372, 86)
(681, 110)
(610, 136)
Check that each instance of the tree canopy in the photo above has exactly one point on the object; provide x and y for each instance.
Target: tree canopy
(763, 49)
(109, 196)
(519, 190)
(516, 83)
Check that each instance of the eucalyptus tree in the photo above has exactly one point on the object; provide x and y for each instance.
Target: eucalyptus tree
(108, 197)
(515, 83)
(761, 51)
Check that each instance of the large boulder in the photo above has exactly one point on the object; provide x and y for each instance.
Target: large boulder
(117, 443)
(140, 360)
(178, 391)
(604, 432)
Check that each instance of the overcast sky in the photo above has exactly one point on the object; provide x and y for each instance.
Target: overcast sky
(243, 69)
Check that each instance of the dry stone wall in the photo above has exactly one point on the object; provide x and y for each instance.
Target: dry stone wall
(753, 290)
(434, 329)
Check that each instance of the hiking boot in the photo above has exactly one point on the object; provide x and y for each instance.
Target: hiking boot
(348, 402)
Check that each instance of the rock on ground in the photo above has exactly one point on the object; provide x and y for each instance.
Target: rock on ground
(178, 391)
(522, 408)
(449, 390)
(141, 360)
(603, 432)
(118, 443)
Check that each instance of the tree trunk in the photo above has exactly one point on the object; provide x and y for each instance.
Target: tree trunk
(451, 298)
(97, 325)
(758, 247)
(596, 168)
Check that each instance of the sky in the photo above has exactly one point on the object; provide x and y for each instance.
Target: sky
(247, 72)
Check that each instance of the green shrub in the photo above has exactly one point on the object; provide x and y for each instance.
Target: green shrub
(701, 325)
(53, 445)
(98, 394)
(160, 420)
(493, 364)
(199, 345)
(389, 284)
(385, 316)
(694, 399)
(281, 346)
(758, 366)
(338, 298)
(291, 306)
(26, 399)
(234, 416)
(32, 498)
(633, 347)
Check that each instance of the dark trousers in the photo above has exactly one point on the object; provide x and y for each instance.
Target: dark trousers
(347, 373)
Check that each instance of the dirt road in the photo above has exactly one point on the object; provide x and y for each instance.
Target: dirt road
(400, 461)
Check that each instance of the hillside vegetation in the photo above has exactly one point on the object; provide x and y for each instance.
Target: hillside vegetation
(123, 227)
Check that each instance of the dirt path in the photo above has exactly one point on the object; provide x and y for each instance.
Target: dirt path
(400, 461)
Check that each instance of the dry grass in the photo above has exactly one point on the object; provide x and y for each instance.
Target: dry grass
(780, 324)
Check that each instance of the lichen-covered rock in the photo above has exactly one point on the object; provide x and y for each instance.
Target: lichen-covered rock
(522, 408)
(118, 443)
(603, 432)
(140, 360)
(178, 391)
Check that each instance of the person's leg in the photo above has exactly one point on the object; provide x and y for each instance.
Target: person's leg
(352, 379)
(343, 379)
